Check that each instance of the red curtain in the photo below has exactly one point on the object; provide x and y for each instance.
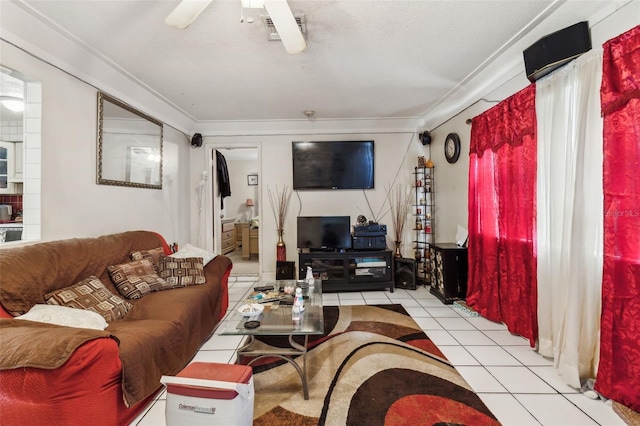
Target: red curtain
(502, 214)
(619, 368)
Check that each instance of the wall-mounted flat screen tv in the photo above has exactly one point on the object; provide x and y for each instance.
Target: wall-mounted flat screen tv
(333, 165)
(324, 232)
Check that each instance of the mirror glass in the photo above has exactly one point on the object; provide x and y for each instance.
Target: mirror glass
(129, 145)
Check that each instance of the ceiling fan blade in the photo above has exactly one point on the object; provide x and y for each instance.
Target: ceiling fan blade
(186, 12)
(286, 25)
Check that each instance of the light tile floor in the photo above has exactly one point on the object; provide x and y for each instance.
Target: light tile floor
(519, 386)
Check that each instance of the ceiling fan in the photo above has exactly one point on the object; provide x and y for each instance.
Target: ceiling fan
(188, 10)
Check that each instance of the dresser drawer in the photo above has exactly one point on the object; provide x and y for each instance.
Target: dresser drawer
(228, 236)
(226, 244)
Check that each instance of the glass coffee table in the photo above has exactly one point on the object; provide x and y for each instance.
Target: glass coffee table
(276, 320)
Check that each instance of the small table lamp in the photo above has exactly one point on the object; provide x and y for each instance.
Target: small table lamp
(249, 203)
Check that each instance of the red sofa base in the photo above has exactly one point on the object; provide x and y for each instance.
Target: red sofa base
(69, 395)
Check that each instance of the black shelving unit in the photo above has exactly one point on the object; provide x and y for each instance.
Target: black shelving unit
(424, 211)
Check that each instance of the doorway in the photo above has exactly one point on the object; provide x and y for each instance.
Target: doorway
(20, 173)
(237, 216)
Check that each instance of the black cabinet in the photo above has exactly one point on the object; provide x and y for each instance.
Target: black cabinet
(350, 270)
(448, 271)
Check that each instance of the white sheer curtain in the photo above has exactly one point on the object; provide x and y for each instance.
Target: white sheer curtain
(570, 216)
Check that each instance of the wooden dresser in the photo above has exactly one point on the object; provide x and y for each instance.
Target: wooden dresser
(248, 238)
(227, 238)
(239, 227)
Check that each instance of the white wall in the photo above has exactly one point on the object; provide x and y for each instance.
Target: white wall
(395, 158)
(394, 154)
(235, 205)
(452, 179)
(72, 204)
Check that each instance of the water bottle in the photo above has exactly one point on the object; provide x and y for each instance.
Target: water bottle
(299, 300)
(309, 278)
(296, 316)
(298, 308)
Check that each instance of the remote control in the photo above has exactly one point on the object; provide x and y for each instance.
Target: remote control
(264, 288)
(269, 299)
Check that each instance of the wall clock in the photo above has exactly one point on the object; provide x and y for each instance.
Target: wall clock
(452, 147)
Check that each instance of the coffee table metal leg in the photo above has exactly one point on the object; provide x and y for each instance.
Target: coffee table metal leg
(251, 339)
(286, 355)
(303, 375)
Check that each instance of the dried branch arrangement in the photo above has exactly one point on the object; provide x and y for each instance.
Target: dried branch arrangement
(399, 197)
(279, 200)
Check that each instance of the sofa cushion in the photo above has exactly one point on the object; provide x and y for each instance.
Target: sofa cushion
(192, 251)
(181, 272)
(29, 272)
(153, 255)
(62, 315)
(92, 295)
(136, 279)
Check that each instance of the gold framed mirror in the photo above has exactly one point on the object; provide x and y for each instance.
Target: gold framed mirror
(129, 146)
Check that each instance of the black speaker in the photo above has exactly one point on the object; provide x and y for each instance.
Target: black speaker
(285, 270)
(556, 49)
(196, 140)
(425, 138)
(404, 273)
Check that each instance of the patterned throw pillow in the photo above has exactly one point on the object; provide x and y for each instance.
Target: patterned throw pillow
(153, 255)
(136, 279)
(181, 272)
(92, 295)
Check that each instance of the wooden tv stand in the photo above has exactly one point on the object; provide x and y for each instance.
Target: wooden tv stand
(352, 270)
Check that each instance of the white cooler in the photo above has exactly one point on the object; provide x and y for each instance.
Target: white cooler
(206, 393)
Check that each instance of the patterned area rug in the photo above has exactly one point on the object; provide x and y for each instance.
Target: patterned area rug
(373, 366)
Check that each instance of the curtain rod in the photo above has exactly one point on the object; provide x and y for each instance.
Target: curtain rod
(475, 102)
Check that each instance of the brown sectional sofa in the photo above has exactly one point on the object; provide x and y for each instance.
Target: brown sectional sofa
(78, 375)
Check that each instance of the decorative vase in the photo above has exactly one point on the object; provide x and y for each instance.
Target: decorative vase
(397, 252)
(281, 248)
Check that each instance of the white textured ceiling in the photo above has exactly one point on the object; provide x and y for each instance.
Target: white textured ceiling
(365, 59)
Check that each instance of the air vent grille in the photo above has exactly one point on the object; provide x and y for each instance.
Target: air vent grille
(272, 33)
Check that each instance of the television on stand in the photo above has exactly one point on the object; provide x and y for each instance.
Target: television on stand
(324, 233)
